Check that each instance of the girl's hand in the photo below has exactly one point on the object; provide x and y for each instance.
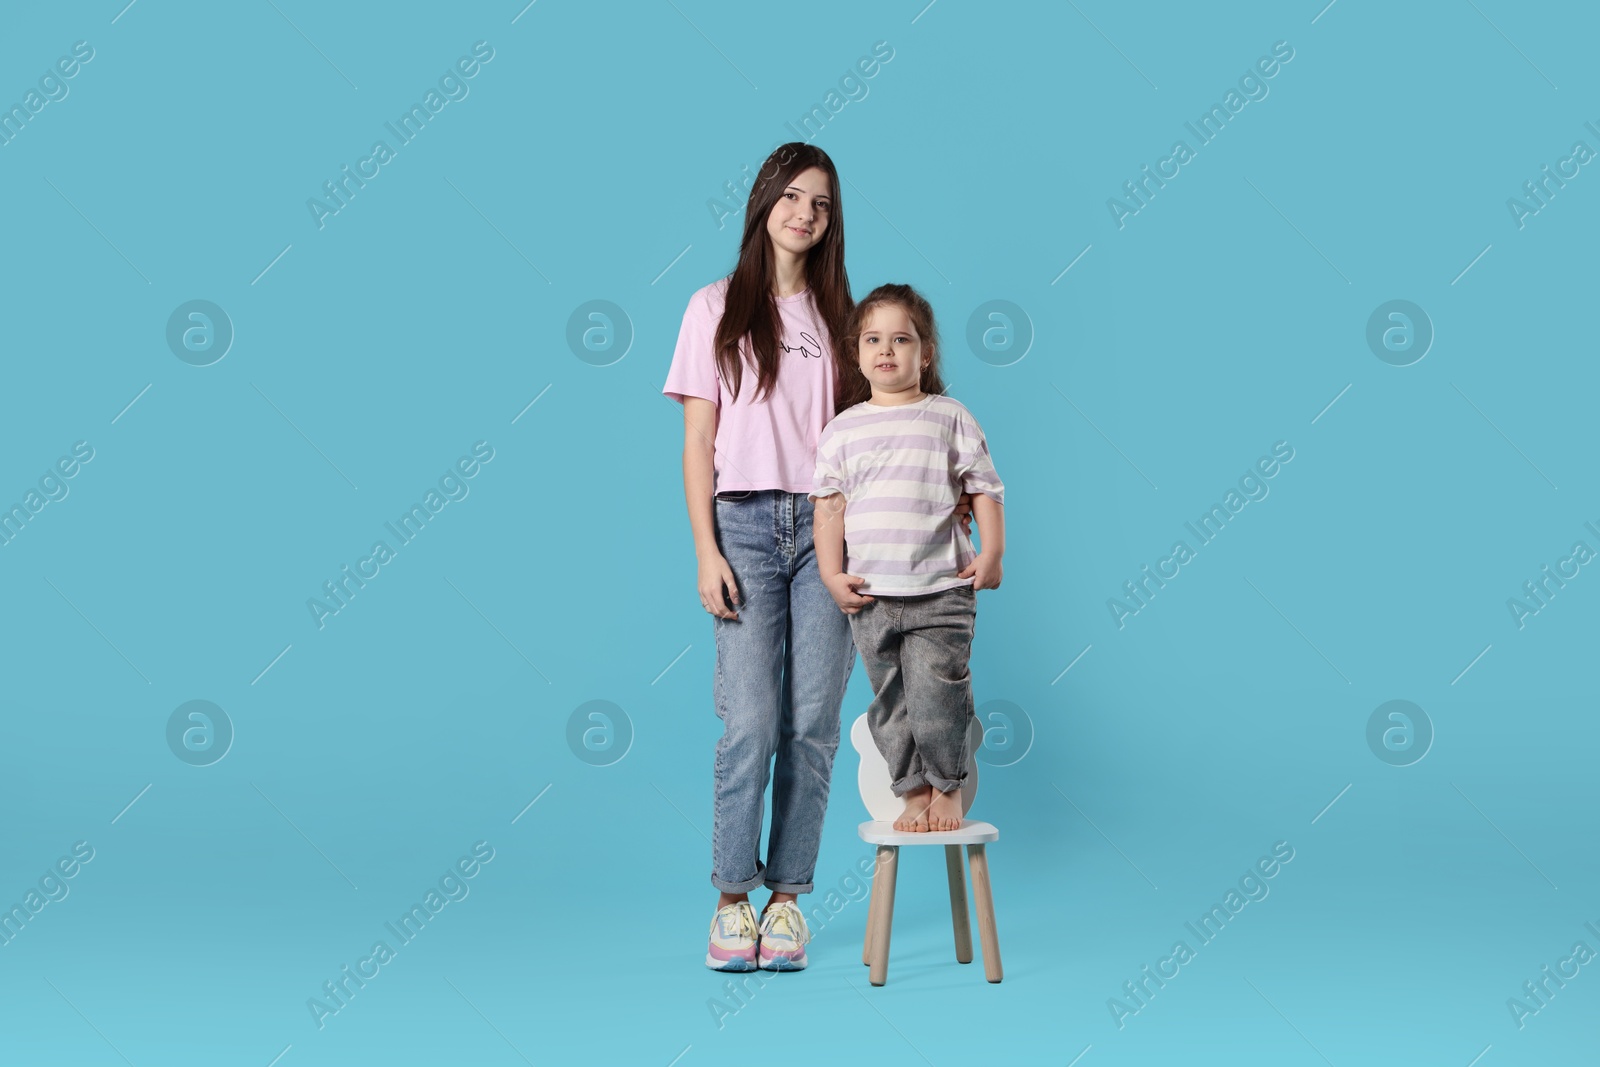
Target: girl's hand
(964, 513)
(984, 571)
(715, 577)
(843, 588)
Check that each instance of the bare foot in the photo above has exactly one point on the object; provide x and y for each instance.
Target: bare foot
(915, 817)
(944, 813)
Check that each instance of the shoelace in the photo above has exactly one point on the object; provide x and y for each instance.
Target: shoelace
(747, 926)
(787, 915)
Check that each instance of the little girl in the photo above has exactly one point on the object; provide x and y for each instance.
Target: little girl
(897, 463)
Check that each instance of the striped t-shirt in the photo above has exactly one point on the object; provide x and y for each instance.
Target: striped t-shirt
(901, 470)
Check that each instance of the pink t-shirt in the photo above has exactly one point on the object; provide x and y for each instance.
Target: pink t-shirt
(771, 444)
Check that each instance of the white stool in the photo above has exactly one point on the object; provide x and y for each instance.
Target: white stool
(885, 807)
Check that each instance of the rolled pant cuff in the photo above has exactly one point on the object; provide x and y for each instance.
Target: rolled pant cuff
(946, 785)
(739, 887)
(908, 783)
(789, 887)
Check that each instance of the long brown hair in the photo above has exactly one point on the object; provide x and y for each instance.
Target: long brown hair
(751, 309)
(853, 384)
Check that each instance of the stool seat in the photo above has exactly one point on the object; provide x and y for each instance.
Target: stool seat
(972, 832)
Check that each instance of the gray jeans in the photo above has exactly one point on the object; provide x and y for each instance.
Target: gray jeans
(915, 650)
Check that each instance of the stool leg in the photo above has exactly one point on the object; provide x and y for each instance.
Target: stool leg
(872, 910)
(958, 903)
(978, 860)
(883, 898)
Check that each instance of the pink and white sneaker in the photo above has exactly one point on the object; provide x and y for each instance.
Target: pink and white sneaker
(783, 938)
(733, 938)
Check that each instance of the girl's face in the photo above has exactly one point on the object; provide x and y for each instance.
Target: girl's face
(800, 217)
(890, 351)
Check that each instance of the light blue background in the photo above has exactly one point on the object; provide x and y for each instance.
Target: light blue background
(432, 310)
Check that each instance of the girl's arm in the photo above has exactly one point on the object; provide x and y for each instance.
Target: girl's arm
(985, 569)
(827, 533)
(715, 579)
(827, 541)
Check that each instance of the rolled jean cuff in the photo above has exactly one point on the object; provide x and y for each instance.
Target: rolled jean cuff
(790, 887)
(740, 887)
(946, 785)
(908, 783)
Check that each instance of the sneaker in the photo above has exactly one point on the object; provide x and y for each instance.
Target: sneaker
(733, 938)
(783, 938)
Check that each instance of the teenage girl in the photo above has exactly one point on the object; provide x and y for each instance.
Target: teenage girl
(757, 374)
(889, 474)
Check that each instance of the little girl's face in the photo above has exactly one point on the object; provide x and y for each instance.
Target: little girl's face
(800, 217)
(890, 351)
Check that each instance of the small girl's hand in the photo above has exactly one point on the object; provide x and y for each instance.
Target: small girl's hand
(964, 513)
(843, 588)
(715, 576)
(985, 571)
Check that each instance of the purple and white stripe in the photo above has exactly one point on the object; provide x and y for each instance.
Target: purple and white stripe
(901, 470)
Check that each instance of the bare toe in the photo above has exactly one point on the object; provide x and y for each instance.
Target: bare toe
(945, 811)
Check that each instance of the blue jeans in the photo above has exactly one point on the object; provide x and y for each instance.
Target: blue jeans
(781, 673)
